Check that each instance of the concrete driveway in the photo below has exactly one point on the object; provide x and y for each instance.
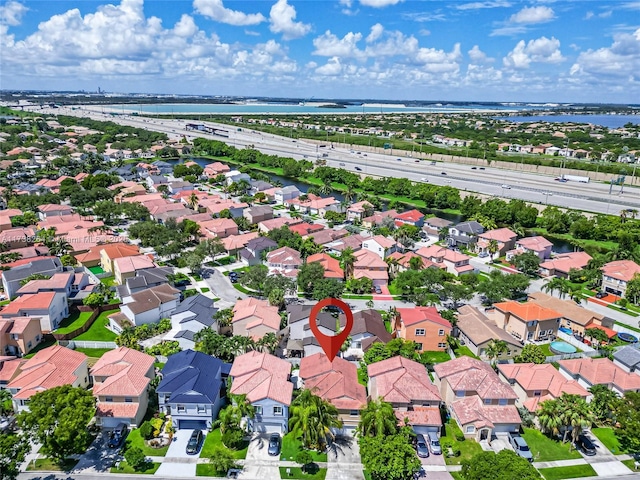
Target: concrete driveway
(344, 461)
(98, 457)
(221, 286)
(177, 462)
(259, 464)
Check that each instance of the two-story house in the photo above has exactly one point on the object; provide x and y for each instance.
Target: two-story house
(287, 193)
(368, 328)
(370, 265)
(616, 275)
(359, 210)
(284, 261)
(19, 335)
(121, 380)
(410, 217)
(528, 322)
(192, 315)
(464, 234)
(252, 253)
(599, 371)
(69, 283)
(537, 244)
(331, 265)
(454, 262)
(480, 403)
(336, 382)
(423, 325)
(50, 307)
(151, 305)
(128, 267)
(504, 238)
(537, 383)
(258, 213)
(254, 318)
(434, 227)
(12, 278)
(265, 380)
(143, 280)
(380, 245)
(406, 385)
(478, 332)
(192, 389)
(49, 368)
(561, 264)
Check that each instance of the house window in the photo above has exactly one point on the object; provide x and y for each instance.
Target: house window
(166, 398)
(502, 401)
(420, 331)
(202, 408)
(537, 393)
(258, 409)
(487, 401)
(277, 410)
(442, 345)
(181, 409)
(470, 429)
(357, 345)
(108, 399)
(441, 332)
(460, 393)
(128, 400)
(353, 413)
(29, 345)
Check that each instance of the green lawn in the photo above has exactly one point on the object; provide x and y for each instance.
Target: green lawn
(108, 281)
(291, 445)
(97, 270)
(205, 289)
(5, 302)
(98, 331)
(468, 448)
(46, 343)
(436, 357)
(463, 351)
(573, 471)
(296, 472)
(608, 439)
(206, 470)
(387, 326)
(47, 464)
(135, 440)
(93, 352)
(545, 449)
(213, 439)
(74, 321)
(124, 467)
(618, 309)
(631, 464)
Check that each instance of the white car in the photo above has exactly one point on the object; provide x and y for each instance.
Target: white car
(507, 187)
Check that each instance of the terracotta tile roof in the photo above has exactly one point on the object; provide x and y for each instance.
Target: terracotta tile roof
(17, 325)
(567, 308)
(527, 311)
(414, 316)
(601, 371)
(367, 259)
(563, 262)
(9, 368)
(49, 368)
(126, 370)
(432, 251)
(399, 380)
(471, 375)
(117, 410)
(118, 250)
(133, 263)
(502, 235)
(278, 222)
(261, 376)
(471, 410)
(30, 301)
(480, 329)
(359, 207)
(331, 265)
(420, 416)
(327, 236)
(410, 216)
(335, 382)
(383, 241)
(623, 270)
(306, 228)
(57, 281)
(236, 242)
(285, 256)
(536, 244)
(260, 309)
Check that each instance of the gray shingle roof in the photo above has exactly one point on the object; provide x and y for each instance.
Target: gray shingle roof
(629, 356)
(200, 307)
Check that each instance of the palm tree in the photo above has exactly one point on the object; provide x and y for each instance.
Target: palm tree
(347, 258)
(313, 418)
(562, 285)
(349, 194)
(193, 200)
(60, 247)
(326, 187)
(6, 402)
(493, 248)
(550, 417)
(416, 263)
(392, 266)
(495, 349)
(576, 414)
(269, 343)
(378, 419)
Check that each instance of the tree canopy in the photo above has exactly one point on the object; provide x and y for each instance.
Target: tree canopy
(506, 465)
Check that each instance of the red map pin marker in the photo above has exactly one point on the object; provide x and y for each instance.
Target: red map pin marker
(331, 344)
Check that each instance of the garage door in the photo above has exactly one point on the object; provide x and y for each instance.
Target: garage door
(268, 427)
(345, 431)
(192, 424)
(110, 422)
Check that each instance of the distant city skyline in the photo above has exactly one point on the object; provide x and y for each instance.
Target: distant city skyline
(489, 50)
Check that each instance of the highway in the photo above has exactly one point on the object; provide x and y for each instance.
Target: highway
(538, 189)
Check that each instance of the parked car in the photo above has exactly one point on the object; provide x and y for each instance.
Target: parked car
(520, 446)
(434, 443)
(399, 159)
(118, 435)
(483, 255)
(421, 447)
(585, 444)
(195, 442)
(274, 444)
(481, 168)
(474, 168)
(601, 294)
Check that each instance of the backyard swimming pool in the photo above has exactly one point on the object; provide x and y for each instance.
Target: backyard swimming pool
(561, 348)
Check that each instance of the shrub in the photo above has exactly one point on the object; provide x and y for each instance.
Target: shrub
(146, 431)
(459, 436)
(232, 438)
(157, 423)
(455, 450)
(136, 458)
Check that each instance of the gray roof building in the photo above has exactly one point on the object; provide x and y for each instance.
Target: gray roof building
(628, 358)
(11, 278)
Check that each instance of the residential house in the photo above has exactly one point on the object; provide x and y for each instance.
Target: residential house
(336, 382)
(234, 244)
(49, 368)
(150, 305)
(380, 245)
(537, 383)
(278, 222)
(410, 217)
(192, 389)
(19, 335)
(50, 307)
(284, 261)
(481, 404)
(433, 226)
(18, 237)
(478, 332)
(143, 280)
(104, 255)
(12, 278)
(192, 315)
(287, 193)
(265, 380)
(454, 262)
(303, 229)
(368, 328)
(328, 235)
(9, 368)
(357, 211)
(574, 317)
(300, 339)
(370, 265)
(331, 265)
(212, 170)
(406, 385)
(562, 263)
(528, 322)
(127, 267)
(423, 325)
(254, 318)
(121, 380)
(354, 242)
(234, 176)
(538, 245)
(154, 182)
(401, 262)
(589, 371)
(58, 282)
(628, 358)
(378, 218)
(258, 213)
(53, 210)
(218, 228)
(504, 238)
(617, 274)
(179, 186)
(464, 234)
(252, 253)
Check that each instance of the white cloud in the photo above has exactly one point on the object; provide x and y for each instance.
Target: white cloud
(376, 32)
(508, 31)
(438, 61)
(477, 56)
(185, 27)
(424, 32)
(282, 16)
(329, 45)
(215, 10)
(482, 5)
(331, 68)
(622, 59)
(424, 16)
(11, 13)
(541, 50)
(529, 15)
(379, 3)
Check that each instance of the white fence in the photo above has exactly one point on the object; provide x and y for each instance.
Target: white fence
(86, 344)
(571, 340)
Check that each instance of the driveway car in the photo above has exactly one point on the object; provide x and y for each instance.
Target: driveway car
(601, 295)
(195, 442)
(421, 447)
(520, 446)
(585, 444)
(118, 435)
(274, 444)
(434, 443)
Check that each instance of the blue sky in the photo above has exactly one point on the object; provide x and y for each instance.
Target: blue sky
(486, 50)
